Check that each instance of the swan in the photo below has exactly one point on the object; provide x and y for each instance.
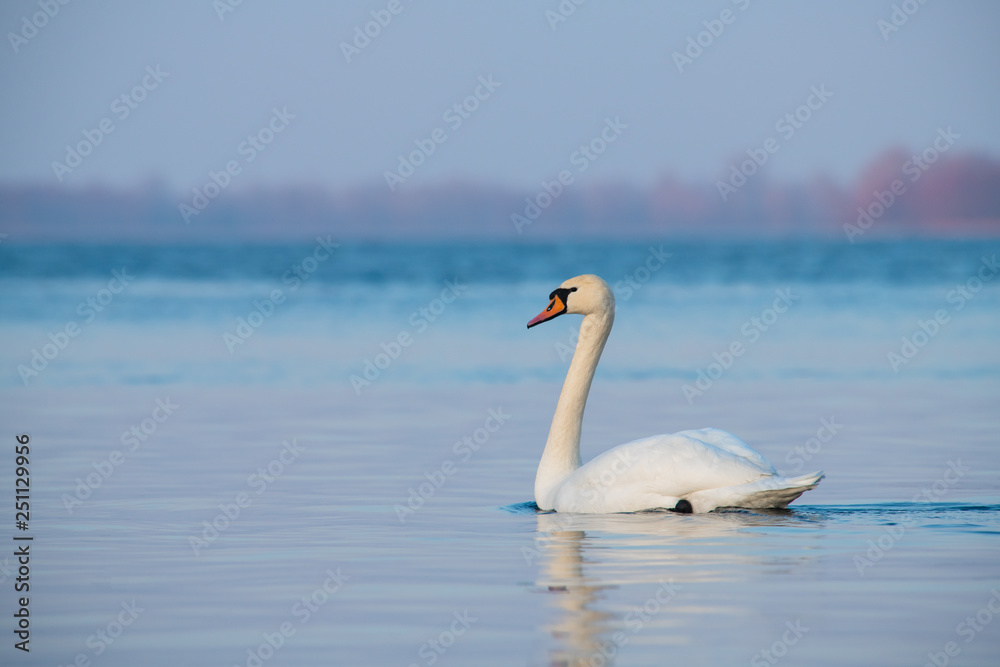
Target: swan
(690, 471)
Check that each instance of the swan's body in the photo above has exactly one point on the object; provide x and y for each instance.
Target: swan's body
(689, 471)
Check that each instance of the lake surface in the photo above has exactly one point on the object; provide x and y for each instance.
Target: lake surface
(211, 492)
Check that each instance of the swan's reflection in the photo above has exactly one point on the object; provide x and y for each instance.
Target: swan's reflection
(578, 627)
(580, 556)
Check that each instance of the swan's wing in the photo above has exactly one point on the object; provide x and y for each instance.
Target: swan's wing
(730, 443)
(659, 470)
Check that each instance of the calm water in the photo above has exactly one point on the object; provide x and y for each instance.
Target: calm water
(375, 520)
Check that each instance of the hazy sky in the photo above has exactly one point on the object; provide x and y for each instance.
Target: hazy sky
(223, 78)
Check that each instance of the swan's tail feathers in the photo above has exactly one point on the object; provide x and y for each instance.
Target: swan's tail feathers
(772, 492)
(782, 491)
(806, 482)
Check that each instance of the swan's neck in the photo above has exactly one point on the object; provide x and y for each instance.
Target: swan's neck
(562, 450)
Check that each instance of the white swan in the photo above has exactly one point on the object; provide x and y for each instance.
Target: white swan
(690, 471)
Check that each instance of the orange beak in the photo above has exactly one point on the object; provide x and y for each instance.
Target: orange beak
(555, 309)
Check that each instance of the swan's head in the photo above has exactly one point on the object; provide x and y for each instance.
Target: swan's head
(582, 295)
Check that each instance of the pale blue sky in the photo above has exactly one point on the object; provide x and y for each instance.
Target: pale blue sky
(557, 87)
